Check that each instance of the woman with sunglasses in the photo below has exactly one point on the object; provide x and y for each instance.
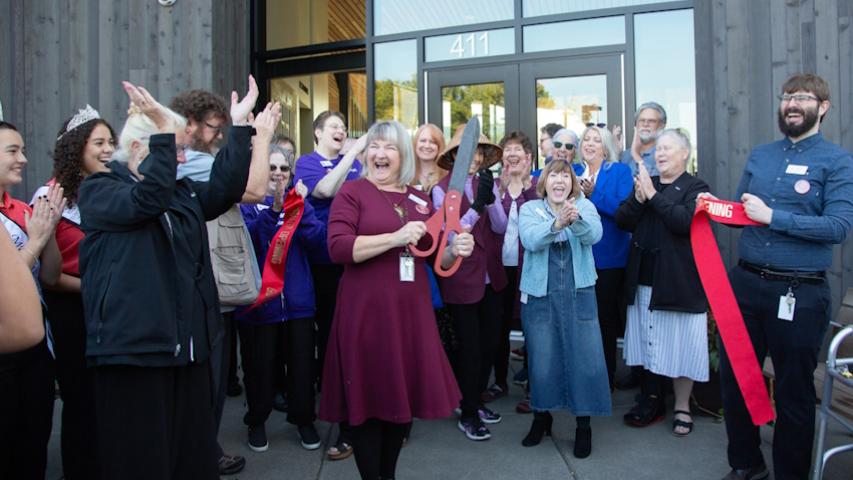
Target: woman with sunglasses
(606, 183)
(282, 327)
(565, 144)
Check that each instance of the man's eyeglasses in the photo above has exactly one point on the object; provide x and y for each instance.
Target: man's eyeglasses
(213, 127)
(798, 97)
(599, 125)
(281, 168)
(559, 145)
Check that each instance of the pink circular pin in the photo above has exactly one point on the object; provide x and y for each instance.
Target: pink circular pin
(802, 187)
(422, 209)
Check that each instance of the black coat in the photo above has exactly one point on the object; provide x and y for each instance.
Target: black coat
(147, 282)
(662, 226)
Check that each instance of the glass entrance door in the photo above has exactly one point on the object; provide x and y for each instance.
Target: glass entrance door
(574, 93)
(491, 93)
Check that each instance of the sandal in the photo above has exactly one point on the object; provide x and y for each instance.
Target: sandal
(676, 423)
(339, 451)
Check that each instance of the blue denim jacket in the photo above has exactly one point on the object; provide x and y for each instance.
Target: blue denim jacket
(534, 224)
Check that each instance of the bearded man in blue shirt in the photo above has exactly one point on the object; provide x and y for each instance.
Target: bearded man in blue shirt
(801, 190)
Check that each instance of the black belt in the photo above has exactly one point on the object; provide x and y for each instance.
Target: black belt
(788, 276)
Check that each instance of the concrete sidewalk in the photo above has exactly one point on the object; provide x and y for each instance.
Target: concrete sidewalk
(437, 450)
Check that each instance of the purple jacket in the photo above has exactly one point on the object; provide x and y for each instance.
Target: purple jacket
(308, 243)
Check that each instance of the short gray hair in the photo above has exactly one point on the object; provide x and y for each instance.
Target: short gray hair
(653, 106)
(287, 154)
(681, 137)
(395, 132)
(566, 131)
(139, 128)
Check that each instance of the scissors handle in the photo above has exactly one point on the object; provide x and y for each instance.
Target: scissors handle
(434, 226)
(451, 207)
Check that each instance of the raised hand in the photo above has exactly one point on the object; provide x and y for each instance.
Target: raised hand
(278, 196)
(266, 122)
(301, 189)
(485, 196)
(638, 191)
(645, 181)
(240, 110)
(587, 186)
(144, 102)
(410, 233)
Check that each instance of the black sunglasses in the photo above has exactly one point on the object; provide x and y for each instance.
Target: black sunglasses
(558, 145)
(599, 125)
(281, 168)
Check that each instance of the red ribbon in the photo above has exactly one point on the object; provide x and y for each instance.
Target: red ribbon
(730, 324)
(272, 280)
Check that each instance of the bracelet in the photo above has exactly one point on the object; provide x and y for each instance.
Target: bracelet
(28, 252)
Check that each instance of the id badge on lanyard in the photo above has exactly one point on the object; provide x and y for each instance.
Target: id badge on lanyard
(407, 267)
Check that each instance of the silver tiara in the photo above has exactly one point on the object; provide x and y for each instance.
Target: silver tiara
(82, 116)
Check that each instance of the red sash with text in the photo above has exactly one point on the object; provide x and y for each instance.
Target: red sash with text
(272, 279)
(730, 324)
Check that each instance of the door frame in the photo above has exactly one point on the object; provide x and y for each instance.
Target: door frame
(507, 73)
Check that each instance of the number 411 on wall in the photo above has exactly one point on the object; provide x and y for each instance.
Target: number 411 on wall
(465, 45)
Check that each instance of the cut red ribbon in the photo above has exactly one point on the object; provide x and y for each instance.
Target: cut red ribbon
(272, 280)
(730, 323)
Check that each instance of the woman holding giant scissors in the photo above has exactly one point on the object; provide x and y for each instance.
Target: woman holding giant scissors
(385, 363)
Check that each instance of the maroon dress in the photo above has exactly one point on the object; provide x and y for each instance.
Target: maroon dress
(384, 359)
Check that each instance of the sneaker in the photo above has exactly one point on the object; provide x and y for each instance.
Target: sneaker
(474, 430)
(258, 439)
(520, 378)
(231, 464)
(488, 416)
(755, 473)
(309, 436)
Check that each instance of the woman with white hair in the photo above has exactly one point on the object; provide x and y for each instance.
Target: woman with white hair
(565, 145)
(152, 312)
(606, 183)
(384, 364)
(667, 313)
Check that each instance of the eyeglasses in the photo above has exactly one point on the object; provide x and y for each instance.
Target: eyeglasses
(280, 168)
(213, 127)
(599, 125)
(798, 97)
(559, 145)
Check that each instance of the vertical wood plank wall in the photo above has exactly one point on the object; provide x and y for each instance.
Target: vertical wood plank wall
(57, 56)
(745, 49)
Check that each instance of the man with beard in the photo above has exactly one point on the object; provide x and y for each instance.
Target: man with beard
(649, 120)
(207, 115)
(801, 189)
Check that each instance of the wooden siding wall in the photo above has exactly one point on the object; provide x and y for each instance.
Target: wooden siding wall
(56, 56)
(745, 49)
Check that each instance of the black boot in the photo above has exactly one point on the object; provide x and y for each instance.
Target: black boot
(583, 438)
(542, 422)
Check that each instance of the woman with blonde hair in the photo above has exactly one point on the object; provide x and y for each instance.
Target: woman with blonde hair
(427, 143)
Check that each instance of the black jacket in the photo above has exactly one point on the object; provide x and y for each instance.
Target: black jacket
(662, 226)
(147, 282)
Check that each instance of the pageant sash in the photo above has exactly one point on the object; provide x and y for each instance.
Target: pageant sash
(272, 280)
(730, 324)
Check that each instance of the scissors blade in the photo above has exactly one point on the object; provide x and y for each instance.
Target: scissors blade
(465, 154)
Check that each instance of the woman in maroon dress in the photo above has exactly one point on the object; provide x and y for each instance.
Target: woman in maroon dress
(384, 364)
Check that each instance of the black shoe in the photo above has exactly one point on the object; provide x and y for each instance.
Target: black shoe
(234, 389)
(279, 403)
(542, 422)
(231, 464)
(308, 434)
(258, 438)
(755, 473)
(583, 442)
(648, 411)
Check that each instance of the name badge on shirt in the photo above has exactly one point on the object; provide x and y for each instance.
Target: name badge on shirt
(418, 200)
(407, 267)
(797, 169)
(326, 163)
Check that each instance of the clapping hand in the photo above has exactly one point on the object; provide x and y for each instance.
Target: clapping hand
(645, 181)
(265, 122)
(278, 196)
(47, 210)
(301, 189)
(240, 110)
(142, 100)
(587, 186)
(567, 215)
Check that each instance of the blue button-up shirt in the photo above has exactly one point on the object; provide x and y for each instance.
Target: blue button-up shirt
(809, 186)
(648, 161)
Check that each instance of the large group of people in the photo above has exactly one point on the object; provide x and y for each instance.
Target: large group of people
(129, 275)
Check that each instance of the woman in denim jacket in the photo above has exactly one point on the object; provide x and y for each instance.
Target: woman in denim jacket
(564, 350)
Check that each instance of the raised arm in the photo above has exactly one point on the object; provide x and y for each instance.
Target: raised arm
(329, 185)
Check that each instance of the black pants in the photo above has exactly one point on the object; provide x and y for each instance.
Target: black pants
(508, 297)
(326, 280)
(794, 347)
(26, 412)
(477, 326)
(258, 347)
(155, 422)
(220, 361)
(67, 324)
(376, 445)
(611, 313)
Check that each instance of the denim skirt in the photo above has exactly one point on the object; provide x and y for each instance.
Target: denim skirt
(565, 356)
